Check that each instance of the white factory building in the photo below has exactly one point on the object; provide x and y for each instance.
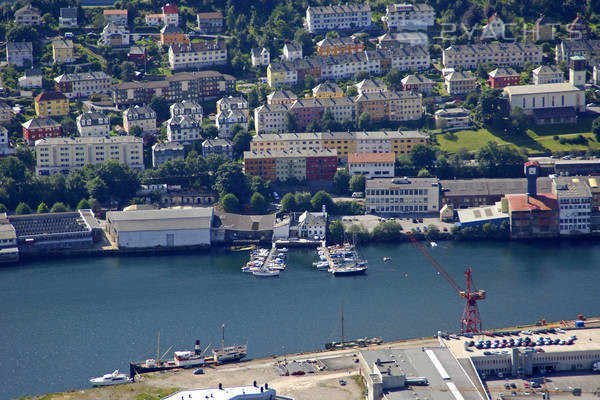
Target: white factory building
(175, 227)
(231, 393)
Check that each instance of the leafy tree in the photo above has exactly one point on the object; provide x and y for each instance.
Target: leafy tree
(596, 128)
(59, 207)
(290, 122)
(309, 82)
(364, 121)
(98, 189)
(210, 131)
(75, 187)
(43, 208)
(122, 180)
(393, 79)
(21, 33)
(357, 183)
(136, 131)
(230, 203)
(303, 201)
(23, 208)
(160, 105)
(336, 231)
(231, 179)
(320, 199)
(488, 106)
(128, 71)
(257, 184)
(351, 91)
(69, 128)
(387, 231)
(422, 156)
(258, 203)
(26, 155)
(241, 143)
(288, 202)
(424, 173)
(341, 180)
(3, 208)
(83, 205)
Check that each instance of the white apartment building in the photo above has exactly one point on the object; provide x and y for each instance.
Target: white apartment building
(93, 123)
(144, 117)
(575, 205)
(396, 196)
(83, 84)
(191, 108)
(547, 103)
(372, 165)
(371, 85)
(5, 149)
(184, 128)
(460, 82)
(347, 65)
(338, 17)
(500, 54)
(197, 55)
(449, 119)
(64, 154)
(114, 35)
(232, 103)
(227, 119)
(31, 80)
(270, 117)
(547, 74)
(292, 51)
(260, 57)
(406, 16)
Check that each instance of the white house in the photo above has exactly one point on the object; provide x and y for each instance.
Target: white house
(114, 35)
(183, 128)
(494, 30)
(93, 123)
(311, 224)
(31, 80)
(191, 108)
(292, 51)
(5, 149)
(547, 74)
(227, 119)
(160, 228)
(372, 165)
(260, 57)
(68, 17)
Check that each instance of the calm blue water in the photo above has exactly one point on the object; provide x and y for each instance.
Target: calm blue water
(63, 321)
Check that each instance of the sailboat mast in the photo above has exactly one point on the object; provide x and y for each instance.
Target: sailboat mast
(223, 337)
(342, 322)
(158, 347)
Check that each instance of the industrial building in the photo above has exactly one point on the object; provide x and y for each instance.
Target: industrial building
(396, 196)
(160, 228)
(426, 373)
(479, 216)
(231, 227)
(54, 232)
(535, 359)
(232, 393)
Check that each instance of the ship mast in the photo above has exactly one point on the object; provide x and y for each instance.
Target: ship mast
(223, 337)
(342, 322)
(158, 347)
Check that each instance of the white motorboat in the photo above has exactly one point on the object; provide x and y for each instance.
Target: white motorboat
(266, 272)
(322, 266)
(111, 379)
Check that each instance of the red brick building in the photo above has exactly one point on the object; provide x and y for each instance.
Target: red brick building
(502, 77)
(40, 128)
(532, 216)
(321, 168)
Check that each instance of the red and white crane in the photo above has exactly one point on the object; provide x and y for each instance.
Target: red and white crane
(470, 321)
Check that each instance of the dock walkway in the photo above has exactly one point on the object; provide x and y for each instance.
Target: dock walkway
(270, 256)
(325, 250)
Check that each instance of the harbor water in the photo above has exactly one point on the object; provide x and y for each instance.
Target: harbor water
(63, 321)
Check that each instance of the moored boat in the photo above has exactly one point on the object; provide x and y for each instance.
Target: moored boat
(111, 379)
(266, 272)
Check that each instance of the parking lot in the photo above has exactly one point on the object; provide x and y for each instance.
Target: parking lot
(407, 223)
(557, 384)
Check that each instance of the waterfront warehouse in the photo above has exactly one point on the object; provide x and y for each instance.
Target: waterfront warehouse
(160, 228)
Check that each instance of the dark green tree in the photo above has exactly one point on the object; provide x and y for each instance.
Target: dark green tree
(59, 207)
(231, 179)
(364, 121)
(23, 208)
(422, 156)
(302, 200)
(160, 105)
(290, 122)
(210, 131)
(288, 202)
(258, 203)
(340, 181)
(596, 128)
(357, 183)
(136, 131)
(241, 143)
(83, 205)
(320, 199)
(69, 128)
(230, 203)
(43, 208)
(128, 71)
(336, 232)
(98, 189)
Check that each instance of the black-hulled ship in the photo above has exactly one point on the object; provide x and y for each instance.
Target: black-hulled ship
(345, 344)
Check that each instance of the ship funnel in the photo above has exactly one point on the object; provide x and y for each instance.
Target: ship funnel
(197, 348)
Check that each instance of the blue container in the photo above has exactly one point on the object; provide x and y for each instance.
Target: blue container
(579, 324)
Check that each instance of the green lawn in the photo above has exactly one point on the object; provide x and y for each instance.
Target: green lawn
(539, 139)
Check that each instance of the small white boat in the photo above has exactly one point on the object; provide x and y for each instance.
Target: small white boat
(433, 244)
(265, 272)
(111, 379)
(283, 250)
(322, 266)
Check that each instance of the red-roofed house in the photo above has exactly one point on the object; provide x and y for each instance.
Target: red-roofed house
(117, 17)
(372, 165)
(532, 216)
(170, 14)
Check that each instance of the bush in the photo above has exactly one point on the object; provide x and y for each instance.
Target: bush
(22, 208)
(230, 203)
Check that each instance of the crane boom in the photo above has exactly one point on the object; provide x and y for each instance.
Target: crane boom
(470, 321)
(435, 264)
